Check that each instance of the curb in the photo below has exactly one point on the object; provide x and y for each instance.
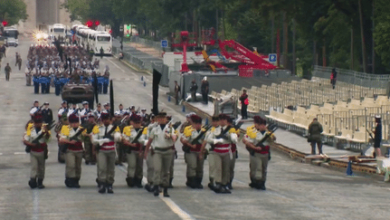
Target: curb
(133, 67)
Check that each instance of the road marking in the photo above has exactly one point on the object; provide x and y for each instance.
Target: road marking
(20, 153)
(35, 215)
(168, 201)
(116, 65)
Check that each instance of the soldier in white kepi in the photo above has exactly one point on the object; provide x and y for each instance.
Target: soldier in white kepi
(162, 138)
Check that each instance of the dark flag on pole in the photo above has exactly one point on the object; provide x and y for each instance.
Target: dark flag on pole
(156, 81)
(111, 99)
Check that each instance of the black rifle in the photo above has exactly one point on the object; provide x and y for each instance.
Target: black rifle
(271, 128)
(206, 128)
(176, 125)
(139, 134)
(186, 148)
(108, 135)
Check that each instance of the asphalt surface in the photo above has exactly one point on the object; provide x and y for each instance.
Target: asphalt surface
(294, 190)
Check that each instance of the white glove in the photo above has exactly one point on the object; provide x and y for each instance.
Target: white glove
(117, 137)
(103, 141)
(219, 140)
(234, 138)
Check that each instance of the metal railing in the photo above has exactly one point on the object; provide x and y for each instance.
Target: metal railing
(353, 77)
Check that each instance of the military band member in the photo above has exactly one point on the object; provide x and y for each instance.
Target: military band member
(90, 154)
(106, 154)
(74, 151)
(258, 154)
(84, 112)
(73, 110)
(134, 151)
(36, 139)
(34, 109)
(192, 152)
(162, 137)
(222, 137)
(211, 153)
(62, 110)
(47, 113)
(121, 111)
(98, 110)
(149, 159)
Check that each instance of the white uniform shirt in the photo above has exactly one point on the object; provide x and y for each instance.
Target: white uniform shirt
(159, 137)
(33, 110)
(98, 137)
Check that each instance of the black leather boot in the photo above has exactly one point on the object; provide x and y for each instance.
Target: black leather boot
(149, 187)
(166, 192)
(98, 183)
(156, 190)
(211, 185)
(170, 183)
(138, 182)
(199, 183)
(262, 185)
(253, 183)
(32, 183)
(229, 185)
(76, 183)
(67, 182)
(109, 189)
(102, 188)
(40, 184)
(217, 188)
(130, 181)
(224, 189)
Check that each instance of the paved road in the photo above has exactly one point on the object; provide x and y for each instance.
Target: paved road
(295, 190)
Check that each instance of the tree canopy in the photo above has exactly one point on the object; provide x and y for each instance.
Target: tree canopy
(340, 33)
(12, 11)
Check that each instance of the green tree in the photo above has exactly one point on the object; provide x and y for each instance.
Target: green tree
(12, 11)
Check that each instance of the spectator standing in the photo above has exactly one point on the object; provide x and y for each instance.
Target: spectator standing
(315, 130)
(244, 104)
(193, 89)
(378, 136)
(333, 78)
(205, 90)
(177, 91)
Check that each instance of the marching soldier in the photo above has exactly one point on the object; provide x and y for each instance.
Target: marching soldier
(172, 169)
(149, 160)
(222, 137)
(192, 139)
(7, 70)
(233, 148)
(258, 141)
(211, 153)
(90, 156)
(103, 135)
(163, 138)
(134, 138)
(36, 139)
(71, 136)
(73, 110)
(187, 122)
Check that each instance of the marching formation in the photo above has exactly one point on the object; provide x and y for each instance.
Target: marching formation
(132, 136)
(73, 62)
